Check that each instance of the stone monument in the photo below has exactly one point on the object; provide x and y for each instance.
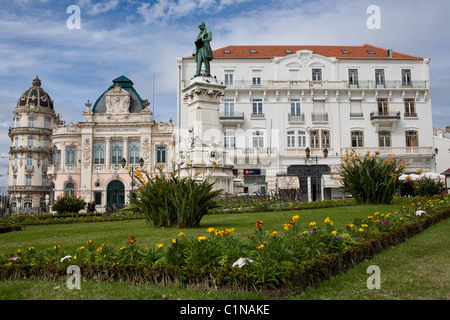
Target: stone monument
(204, 153)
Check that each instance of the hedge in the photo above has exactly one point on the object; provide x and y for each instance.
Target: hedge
(297, 277)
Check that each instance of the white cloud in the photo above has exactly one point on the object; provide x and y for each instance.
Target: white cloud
(94, 9)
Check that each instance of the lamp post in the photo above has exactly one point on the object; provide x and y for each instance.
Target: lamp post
(131, 172)
(308, 156)
(436, 151)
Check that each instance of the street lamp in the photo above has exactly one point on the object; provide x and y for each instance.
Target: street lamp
(131, 171)
(308, 156)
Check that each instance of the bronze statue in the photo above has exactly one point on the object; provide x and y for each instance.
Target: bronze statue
(203, 53)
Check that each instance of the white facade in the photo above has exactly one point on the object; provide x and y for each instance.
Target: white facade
(281, 100)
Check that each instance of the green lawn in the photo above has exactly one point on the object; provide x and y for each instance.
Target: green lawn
(415, 269)
(71, 236)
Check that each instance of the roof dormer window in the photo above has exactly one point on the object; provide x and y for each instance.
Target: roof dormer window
(253, 51)
(345, 51)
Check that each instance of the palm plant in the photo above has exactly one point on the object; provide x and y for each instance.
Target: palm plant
(369, 179)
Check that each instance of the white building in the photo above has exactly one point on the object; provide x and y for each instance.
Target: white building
(281, 101)
(94, 158)
(442, 147)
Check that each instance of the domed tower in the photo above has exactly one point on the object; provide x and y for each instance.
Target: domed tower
(30, 152)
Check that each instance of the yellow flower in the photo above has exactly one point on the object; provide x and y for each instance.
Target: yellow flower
(261, 247)
(123, 248)
(312, 224)
(273, 234)
(361, 230)
(295, 218)
(89, 242)
(75, 257)
(210, 230)
(100, 249)
(327, 220)
(58, 246)
(334, 232)
(174, 240)
(350, 225)
(200, 239)
(19, 251)
(181, 234)
(30, 248)
(159, 245)
(364, 225)
(80, 248)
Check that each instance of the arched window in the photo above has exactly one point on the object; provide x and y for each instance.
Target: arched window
(69, 189)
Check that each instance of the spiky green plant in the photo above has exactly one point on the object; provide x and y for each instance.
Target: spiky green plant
(173, 201)
(68, 204)
(428, 187)
(370, 179)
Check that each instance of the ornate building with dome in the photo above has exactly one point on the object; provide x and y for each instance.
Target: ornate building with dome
(94, 158)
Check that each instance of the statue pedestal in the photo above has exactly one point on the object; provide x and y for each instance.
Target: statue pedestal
(204, 149)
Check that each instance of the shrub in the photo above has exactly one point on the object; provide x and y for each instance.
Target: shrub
(427, 187)
(369, 179)
(173, 201)
(68, 204)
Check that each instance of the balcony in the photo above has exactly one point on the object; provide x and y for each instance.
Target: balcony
(29, 168)
(356, 115)
(298, 118)
(387, 152)
(255, 116)
(231, 117)
(319, 117)
(385, 116)
(369, 84)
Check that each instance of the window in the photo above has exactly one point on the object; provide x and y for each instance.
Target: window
(31, 121)
(384, 139)
(14, 180)
(17, 122)
(256, 77)
(71, 154)
(252, 51)
(30, 141)
(46, 143)
(226, 51)
(229, 107)
(116, 151)
(345, 51)
(44, 181)
(16, 142)
(302, 139)
(134, 151)
(160, 154)
(316, 74)
(47, 123)
(229, 139)
(56, 156)
(295, 107)
(291, 139)
(69, 189)
(410, 108)
(294, 74)
(28, 180)
(257, 107)
(314, 135)
(29, 161)
(353, 76)
(379, 77)
(370, 52)
(406, 77)
(357, 139)
(99, 152)
(98, 198)
(258, 139)
(325, 139)
(383, 107)
(412, 138)
(229, 78)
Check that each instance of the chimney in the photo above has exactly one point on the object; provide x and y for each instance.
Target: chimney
(390, 53)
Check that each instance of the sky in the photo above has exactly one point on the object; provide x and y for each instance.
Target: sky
(78, 53)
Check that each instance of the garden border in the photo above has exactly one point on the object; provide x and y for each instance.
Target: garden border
(297, 277)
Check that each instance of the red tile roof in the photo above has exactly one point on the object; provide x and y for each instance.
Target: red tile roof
(446, 172)
(354, 52)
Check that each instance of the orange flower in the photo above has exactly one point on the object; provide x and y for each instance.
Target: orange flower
(132, 239)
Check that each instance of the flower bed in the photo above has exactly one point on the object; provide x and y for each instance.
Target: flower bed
(293, 258)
